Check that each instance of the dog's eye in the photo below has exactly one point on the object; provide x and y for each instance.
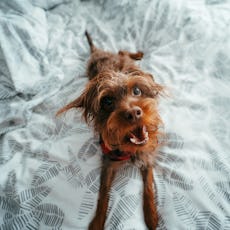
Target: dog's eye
(136, 91)
(107, 103)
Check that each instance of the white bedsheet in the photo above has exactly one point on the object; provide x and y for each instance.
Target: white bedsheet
(50, 167)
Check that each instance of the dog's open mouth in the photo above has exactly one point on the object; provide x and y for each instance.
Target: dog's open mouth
(139, 136)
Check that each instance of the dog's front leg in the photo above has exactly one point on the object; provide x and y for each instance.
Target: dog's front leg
(107, 175)
(150, 210)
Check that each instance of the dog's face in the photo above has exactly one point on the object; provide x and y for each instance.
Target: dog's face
(123, 110)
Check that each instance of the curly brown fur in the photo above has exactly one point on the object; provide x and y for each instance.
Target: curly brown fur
(120, 101)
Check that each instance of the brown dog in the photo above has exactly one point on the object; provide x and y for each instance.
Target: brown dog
(120, 100)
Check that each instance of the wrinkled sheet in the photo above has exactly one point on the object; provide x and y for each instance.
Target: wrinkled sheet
(50, 167)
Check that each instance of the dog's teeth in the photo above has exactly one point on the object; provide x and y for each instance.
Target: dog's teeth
(136, 142)
(144, 137)
(133, 140)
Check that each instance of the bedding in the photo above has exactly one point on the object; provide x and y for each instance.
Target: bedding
(50, 166)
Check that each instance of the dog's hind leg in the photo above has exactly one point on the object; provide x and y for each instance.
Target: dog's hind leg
(150, 210)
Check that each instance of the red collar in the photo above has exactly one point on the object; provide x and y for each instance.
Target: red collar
(114, 155)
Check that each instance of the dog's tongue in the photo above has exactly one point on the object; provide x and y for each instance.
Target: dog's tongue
(139, 136)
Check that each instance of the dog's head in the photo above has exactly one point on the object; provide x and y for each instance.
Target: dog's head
(123, 109)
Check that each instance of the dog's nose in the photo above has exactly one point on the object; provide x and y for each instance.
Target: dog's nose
(133, 114)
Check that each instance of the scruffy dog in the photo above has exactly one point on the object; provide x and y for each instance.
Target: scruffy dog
(120, 100)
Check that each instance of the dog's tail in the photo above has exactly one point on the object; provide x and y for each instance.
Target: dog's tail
(90, 41)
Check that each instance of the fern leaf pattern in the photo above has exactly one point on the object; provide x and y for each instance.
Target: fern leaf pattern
(184, 209)
(226, 223)
(207, 220)
(87, 204)
(45, 172)
(89, 149)
(73, 171)
(31, 198)
(49, 215)
(124, 210)
(224, 188)
(25, 209)
(193, 217)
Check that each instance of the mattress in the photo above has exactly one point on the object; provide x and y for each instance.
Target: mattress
(50, 166)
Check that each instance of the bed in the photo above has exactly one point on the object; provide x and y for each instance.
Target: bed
(50, 166)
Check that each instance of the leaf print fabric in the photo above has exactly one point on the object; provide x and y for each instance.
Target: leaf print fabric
(50, 166)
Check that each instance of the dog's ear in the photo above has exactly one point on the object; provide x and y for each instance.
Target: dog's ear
(77, 103)
(86, 101)
(150, 76)
(135, 56)
(156, 89)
